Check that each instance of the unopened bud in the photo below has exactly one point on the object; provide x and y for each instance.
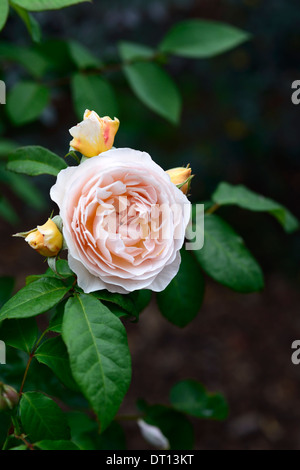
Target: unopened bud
(9, 397)
(94, 134)
(181, 177)
(45, 239)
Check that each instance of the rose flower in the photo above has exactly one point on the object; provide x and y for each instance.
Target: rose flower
(124, 222)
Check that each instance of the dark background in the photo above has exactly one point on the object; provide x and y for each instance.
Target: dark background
(238, 125)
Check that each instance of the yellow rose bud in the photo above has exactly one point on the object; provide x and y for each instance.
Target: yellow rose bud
(45, 239)
(181, 177)
(94, 134)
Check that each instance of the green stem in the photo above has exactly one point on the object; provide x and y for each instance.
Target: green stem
(16, 424)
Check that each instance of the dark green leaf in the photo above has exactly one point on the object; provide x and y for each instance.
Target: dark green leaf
(6, 288)
(124, 301)
(35, 160)
(56, 445)
(81, 423)
(202, 38)
(141, 299)
(20, 334)
(26, 101)
(6, 147)
(113, 438)
(226, 194)
(191, 397)
(41, 5)
(4, 9)
(33, 299)
(173, 424)
(42, 418)
(56, 321)
(93, 92)
(155, 88)
(226, 259)
(53, 353)
(130, 51)
(181, 300)
(21, 447)
(99, 355)
(30, 59)
(82, 57)
(30, 22)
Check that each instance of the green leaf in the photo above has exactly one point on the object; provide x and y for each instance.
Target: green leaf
(189, 396)
(35, 298)
(123, 301)
(56, 445)
(42, 5)
(56, 321)
(93, 92)
(7, 212)
(26, 101)
(4, 9)
(6, 147)
(173, 424)
(181, 300)
(130, 51)
(113, 438)
(42, 418)
(62, 268)
(202, 38)
(226, 194)
(141, 299)
(20, 334)
(21, 447)
(226, 259)
(6, 287)
(82, 57)
(80, 423)
(53, 353)
(33, 61)
(24, 188)
(100, 360)
(155, 88)
(30, 22)
(35, 160)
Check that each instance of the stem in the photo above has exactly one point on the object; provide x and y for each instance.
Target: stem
(16, 424)
(25, 374)
(212, 209)
(31, 356)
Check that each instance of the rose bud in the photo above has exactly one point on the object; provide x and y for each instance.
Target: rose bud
(94, 134)
(45, 239)
(181, 177)
(9, 397)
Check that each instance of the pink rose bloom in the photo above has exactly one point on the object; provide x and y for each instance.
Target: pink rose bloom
(124, 222)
